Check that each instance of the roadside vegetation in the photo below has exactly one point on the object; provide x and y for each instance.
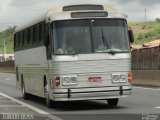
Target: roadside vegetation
(7, 36)
(146, 31)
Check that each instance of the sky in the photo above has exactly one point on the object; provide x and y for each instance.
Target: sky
(17, 12)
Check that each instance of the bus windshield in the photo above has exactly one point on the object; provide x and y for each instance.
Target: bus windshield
(90, 36)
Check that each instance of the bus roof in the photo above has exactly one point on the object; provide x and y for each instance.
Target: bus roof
(50, 12)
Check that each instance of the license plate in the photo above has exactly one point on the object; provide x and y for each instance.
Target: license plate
(94, 79)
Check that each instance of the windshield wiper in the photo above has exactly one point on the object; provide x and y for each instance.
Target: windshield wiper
(105, 42)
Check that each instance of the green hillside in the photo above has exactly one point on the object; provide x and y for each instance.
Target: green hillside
(146, 31)
(7, 35)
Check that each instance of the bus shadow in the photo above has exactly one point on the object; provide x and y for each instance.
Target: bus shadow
(83, 105)
(77, 105)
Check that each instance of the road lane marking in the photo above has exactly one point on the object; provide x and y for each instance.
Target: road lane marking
(157, 107)
(8, 79)
(155, 89)
(7, 73)
(8, 101)
(31, 107)
(24, 104)
(8, 106)
(1, 97)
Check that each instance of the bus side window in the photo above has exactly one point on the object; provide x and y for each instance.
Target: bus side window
(15, 40)
(34, 35)
(40, 32)
(28, 37)
(37, 33)
(21, 39)
(43, 30)
(31, 35)
(25, 37)
(18, 45)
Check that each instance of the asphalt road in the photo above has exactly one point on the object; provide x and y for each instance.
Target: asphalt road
(144, 103)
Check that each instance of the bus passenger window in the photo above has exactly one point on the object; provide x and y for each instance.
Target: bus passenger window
(34, 35)
(25, 37)
(37, 33)
(31, 35)
(28, 38)
(18, 40)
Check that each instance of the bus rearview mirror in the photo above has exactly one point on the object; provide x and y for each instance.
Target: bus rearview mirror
(131, 36)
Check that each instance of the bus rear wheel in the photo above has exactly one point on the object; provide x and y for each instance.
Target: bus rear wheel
(25, 95)
(47, 98)
(113, 102)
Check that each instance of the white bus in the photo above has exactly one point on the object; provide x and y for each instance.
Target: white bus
(78, 52)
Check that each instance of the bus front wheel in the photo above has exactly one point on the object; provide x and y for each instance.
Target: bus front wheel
(24, 94)
(46, 93)
(113, 102)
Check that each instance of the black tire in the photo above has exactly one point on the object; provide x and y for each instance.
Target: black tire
(113, 102)
(25, 95)
(47, 98)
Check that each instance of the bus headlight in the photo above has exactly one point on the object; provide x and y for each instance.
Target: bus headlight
(66, 81)
(118, 78)
(73, 80)
(69, 81)
(115, 78)
(122, 79)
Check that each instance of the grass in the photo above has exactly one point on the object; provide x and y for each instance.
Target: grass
(145, 31)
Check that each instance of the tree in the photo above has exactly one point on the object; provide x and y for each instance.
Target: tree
(157, 19)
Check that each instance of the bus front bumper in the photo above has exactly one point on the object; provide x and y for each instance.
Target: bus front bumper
(91, 93)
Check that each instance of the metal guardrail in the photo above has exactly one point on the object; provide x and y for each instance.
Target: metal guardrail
(7, 64)
(146, 58)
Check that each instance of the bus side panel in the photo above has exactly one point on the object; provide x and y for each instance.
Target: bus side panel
(33, 66)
